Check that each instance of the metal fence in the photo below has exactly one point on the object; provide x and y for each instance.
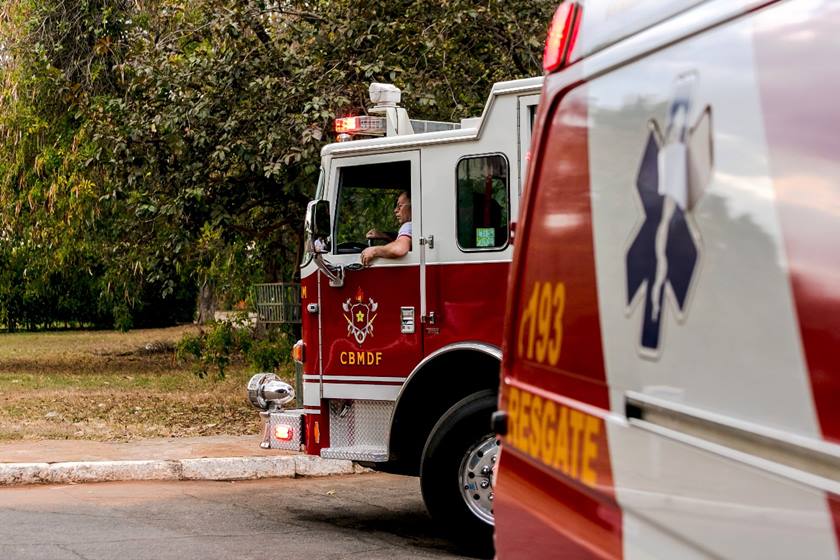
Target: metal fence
(277, 303)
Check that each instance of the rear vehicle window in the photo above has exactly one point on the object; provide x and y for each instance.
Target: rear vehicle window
(367, 195)
(483, 203)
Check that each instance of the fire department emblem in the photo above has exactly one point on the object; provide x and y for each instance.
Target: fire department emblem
(675, 170)
(360, 316)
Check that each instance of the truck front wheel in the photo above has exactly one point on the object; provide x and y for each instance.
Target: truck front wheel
(457, 470)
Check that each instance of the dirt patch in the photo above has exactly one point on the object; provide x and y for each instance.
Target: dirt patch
(114, 386)
(104, 415)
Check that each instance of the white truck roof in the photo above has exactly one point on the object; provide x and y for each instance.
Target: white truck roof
(469, 132)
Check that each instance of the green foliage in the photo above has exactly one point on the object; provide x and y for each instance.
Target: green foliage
(65, 247)
(269, 353)
(148, 148)
(364, 209)
(221, 342)
(213, 348)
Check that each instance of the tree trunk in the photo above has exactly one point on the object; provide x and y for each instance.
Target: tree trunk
(206, 303)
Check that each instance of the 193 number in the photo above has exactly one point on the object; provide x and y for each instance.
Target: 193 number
(541, 324)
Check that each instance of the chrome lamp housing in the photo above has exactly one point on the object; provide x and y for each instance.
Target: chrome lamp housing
(267, 392)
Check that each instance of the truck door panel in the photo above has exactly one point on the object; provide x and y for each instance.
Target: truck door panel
(362, 320)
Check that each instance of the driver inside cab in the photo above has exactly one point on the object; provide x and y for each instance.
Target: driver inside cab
(399, 245)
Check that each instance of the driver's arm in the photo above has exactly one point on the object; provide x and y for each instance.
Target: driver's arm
(376, 234)
(393, 250)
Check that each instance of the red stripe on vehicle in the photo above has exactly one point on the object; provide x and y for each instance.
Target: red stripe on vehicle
(559, 250)
(555, 486)
(799, 98)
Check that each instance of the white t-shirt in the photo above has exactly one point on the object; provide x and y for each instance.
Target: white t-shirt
(405, 229)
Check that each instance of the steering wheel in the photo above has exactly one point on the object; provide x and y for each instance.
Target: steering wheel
(350, 247)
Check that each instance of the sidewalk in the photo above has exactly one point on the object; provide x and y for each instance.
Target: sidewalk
(197, 458)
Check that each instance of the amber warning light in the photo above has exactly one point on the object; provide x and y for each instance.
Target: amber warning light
(562, 34)
(362, 124)
(298, 351)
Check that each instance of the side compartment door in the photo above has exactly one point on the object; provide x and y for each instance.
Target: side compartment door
(369, 343)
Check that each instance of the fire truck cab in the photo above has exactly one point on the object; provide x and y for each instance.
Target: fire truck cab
(670, 379)
(401, 359)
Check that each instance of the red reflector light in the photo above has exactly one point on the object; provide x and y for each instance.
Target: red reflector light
(561, 36)
(284, 433)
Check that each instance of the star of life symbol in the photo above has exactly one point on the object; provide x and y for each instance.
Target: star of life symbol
(675, 171)
(360, 316)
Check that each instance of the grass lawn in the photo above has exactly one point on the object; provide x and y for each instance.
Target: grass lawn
(104, 385)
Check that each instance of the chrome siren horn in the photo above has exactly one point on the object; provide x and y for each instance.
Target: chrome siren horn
(267, 392)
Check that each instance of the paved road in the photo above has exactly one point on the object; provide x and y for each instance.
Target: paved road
(372, 516)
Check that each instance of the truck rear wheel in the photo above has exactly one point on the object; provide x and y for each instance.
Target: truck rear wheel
(457, 471)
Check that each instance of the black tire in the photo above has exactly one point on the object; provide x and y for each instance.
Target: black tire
(460, 429)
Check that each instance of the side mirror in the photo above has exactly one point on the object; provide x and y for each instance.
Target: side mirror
(317, 226)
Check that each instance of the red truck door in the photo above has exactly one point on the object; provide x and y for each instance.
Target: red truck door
(370, 338)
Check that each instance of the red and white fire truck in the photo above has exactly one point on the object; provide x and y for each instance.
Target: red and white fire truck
(670, 380)
(401, 359)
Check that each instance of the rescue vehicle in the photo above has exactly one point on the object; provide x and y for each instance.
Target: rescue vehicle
(401, 359)
(670, 379)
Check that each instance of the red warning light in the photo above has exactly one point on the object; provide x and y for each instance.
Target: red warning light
(365, 125)
(561, 36)
(347, 125)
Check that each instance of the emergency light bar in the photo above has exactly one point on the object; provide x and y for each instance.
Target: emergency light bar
(394, 121)
(363, 124)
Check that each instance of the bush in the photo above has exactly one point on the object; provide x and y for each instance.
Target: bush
(223, 342)
(270, 353)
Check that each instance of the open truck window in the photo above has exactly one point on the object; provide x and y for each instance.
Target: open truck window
(367, 195)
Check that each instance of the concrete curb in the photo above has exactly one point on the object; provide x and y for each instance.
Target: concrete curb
(223, 468)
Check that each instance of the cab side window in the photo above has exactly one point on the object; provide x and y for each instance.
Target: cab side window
(483, 199)
(366, 198)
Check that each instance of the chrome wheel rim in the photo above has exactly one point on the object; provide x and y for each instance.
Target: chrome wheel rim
(477, 476)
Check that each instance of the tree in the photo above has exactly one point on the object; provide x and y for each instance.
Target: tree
(57, 56)
(167, 145)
